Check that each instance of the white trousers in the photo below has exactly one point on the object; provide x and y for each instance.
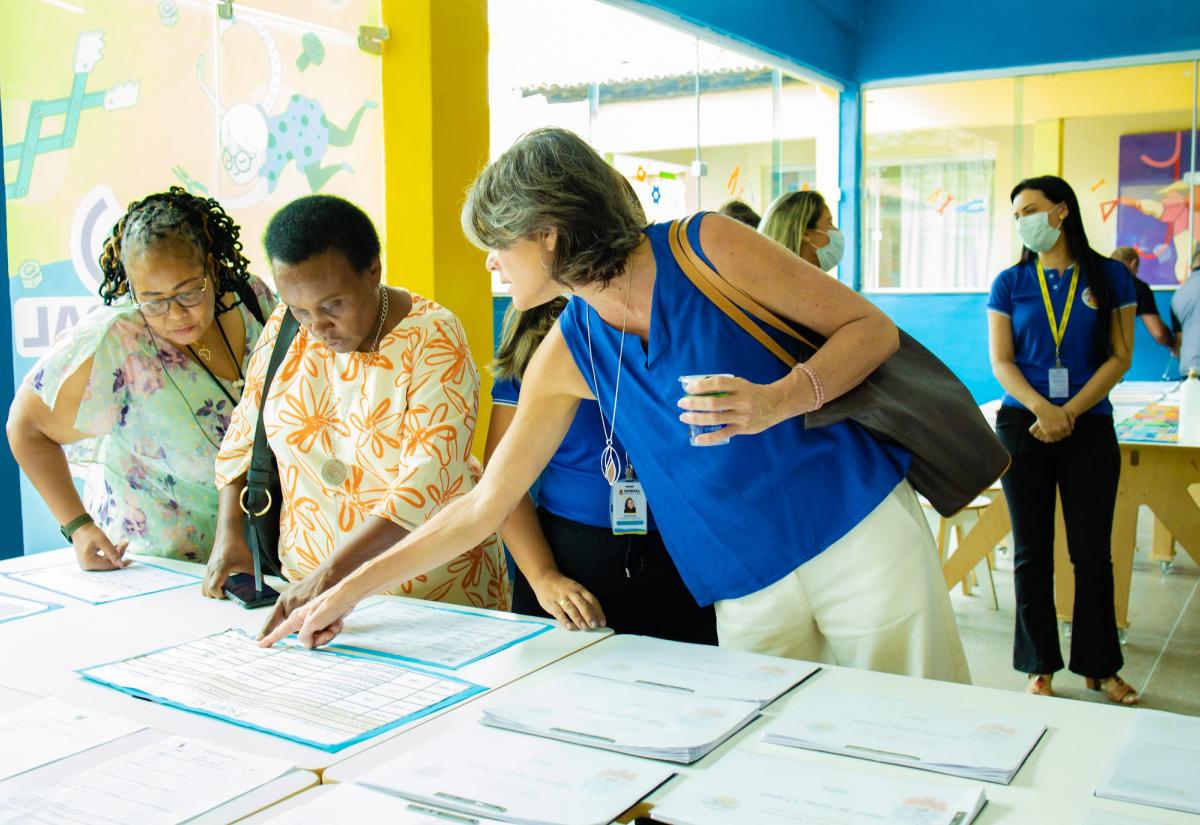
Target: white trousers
(875, 599)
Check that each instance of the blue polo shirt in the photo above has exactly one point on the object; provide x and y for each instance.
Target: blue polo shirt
(571, 486)
(1017, 294)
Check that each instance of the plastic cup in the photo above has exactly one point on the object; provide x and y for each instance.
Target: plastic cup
(700, 429)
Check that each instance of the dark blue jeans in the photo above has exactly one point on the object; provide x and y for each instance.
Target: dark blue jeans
(1084, 467)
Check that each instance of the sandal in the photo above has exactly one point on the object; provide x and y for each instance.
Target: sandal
(1039, 685)
(1115, 689)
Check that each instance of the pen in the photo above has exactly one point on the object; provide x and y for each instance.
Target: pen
(473, 802)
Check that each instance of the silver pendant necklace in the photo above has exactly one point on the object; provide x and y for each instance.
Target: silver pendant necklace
(334, 471)
(610, 460)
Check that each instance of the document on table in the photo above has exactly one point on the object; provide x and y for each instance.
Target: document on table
(755, 789)
(318, 698)
(1157, 762)
(703, 670)
(631, 719)
(434, 635)
(930, 737)
(16, 607)
(99, 587)
(521, 779)
(49, 730)
(333, 803)
(171, 781)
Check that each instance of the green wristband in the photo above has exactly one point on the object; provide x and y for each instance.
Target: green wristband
(74, 524)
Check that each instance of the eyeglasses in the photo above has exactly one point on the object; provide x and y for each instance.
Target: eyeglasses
(161, 306)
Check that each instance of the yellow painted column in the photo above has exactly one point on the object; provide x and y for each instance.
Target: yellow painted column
(1048, 147)
(435, 126)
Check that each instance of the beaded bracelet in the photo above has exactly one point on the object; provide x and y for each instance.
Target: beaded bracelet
(818, 390)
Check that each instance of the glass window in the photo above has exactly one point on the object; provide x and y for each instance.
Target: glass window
(941, 159)
(691, 124)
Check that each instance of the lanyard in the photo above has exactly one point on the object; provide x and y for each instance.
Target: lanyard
(1057, 329)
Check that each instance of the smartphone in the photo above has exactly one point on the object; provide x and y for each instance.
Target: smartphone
(240, 588)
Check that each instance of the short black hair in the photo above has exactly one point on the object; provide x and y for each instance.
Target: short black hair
(314, 224)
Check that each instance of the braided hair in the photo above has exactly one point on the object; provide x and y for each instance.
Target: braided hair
(175, 215)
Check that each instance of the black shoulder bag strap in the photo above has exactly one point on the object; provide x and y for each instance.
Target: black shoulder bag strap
(262, 498)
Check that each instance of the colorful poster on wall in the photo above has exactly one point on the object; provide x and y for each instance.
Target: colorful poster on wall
(1158, 204)
(107, 101)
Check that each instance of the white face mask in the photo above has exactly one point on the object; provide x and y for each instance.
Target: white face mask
(831, 253)
(1036, 232)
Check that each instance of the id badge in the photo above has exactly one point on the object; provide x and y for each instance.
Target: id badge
(627, 508)
(1060, 385)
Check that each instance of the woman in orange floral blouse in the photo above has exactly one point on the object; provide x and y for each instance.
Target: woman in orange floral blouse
(371, 417)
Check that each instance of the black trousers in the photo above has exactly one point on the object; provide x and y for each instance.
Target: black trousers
(634, 579)
(1085, 468)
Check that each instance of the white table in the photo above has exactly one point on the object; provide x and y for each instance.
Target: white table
(1054, 785)
(42, 652)
(247, 804)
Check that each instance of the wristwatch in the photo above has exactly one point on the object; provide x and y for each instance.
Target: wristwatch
(74, 524)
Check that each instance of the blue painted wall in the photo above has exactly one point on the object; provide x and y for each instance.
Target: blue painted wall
(817, 34)
(923, 37)
(10, 488)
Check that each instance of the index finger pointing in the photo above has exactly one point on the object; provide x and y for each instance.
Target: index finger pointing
(281, 631)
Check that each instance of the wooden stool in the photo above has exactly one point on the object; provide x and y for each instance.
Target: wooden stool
(960, 523)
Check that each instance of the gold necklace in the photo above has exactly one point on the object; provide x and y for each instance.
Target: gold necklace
(334, 471)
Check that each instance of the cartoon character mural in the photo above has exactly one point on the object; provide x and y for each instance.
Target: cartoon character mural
(256, 146)
(1158, 204)
(89, 50)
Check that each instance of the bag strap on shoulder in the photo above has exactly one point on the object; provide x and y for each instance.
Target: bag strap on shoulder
(262, 460)
(733, 301)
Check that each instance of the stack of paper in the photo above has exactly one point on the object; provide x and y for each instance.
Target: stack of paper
(334, 803)
(138, 579)
(433, 634)
(633, 719)
(519, 779)
(1157, 762)
(930, 737)
(168, 782)
(50, 730)
(319, 698)
(754, 789)
(702, 670)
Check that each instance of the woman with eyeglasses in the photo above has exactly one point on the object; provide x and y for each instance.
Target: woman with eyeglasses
(140, 392)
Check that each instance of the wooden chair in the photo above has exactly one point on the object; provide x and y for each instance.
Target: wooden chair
(960, 523)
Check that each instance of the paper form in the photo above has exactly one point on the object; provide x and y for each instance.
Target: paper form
(521, 779)
(322, 699)
(628, 718)
(15, 607)
(162, 784)
(974, 744)
(755, 789)
(702, 670)
(435, 635)
(1157, 762)
(49, 730)
(99, 587)
(371, 808)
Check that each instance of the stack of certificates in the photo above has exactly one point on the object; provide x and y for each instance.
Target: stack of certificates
(522, 779)
(930, 737)
(1157, 763)
(699, 670)
(628, 718)
(748, 788)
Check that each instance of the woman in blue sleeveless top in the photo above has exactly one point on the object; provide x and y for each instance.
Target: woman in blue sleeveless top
(809, 542)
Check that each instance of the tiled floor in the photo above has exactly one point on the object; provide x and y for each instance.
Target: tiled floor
(1162, 645)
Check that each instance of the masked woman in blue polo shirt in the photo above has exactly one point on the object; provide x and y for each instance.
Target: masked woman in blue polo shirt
(1061, 330)
(809, 542)
(579, 558)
